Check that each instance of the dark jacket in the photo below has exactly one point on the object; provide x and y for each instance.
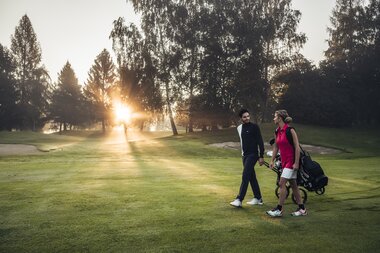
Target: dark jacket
(251, 140)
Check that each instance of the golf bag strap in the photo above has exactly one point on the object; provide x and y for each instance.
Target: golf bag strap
(289, 137)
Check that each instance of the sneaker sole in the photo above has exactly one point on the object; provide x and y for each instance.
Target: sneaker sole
(299, 215)
(274, 216)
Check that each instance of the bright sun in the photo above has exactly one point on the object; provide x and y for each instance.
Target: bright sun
(122, 113)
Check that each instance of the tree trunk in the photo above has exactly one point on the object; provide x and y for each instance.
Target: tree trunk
(191, 95)
(125, 129)
(191, 111)
(267, 85)
(191, 128)
(172, 123)
(174, 128)
(103, 126)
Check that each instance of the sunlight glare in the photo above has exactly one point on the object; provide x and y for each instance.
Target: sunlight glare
(122, 113)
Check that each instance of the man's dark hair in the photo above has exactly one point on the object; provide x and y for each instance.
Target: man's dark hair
(242, 111)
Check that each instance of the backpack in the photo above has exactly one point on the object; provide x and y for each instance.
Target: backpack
(289, 137)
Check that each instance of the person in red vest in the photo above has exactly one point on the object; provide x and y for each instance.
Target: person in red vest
(290, 156)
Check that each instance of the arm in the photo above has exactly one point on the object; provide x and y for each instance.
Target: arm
(296, 150)
(274, 153)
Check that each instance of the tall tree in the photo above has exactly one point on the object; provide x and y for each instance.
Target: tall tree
(218, 62)
(351, 55)
(68, 106)
(100, 84)
(220, 53)
(157, 18)
(33, 79)
(281, 41)
(138, 73)
(8, 94)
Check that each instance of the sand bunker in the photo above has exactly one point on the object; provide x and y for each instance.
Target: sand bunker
(18, 149)
(21, 149)
(308, 148)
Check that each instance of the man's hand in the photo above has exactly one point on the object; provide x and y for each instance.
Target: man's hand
(296, 166)
(261, 161)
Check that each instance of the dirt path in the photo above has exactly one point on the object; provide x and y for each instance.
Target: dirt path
(308, 148)
(18, 149)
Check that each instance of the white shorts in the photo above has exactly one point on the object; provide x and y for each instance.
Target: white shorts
(289, 173)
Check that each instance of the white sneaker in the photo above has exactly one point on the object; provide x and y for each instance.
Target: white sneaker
(300, 212)
(255, 201)
(236, 203)
(274, 212)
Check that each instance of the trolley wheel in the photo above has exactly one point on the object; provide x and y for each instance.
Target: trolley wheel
(303, 194)
(277, 191)
(320, 191)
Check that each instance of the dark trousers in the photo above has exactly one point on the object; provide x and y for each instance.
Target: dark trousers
(249, 176)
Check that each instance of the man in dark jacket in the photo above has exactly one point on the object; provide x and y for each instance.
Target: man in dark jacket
(252, 149)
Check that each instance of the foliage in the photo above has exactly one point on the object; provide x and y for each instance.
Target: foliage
(352, 57)
(313, 98)
(68, 104)
(345, 89)
(8, 94)
(32, 78)
(213, 51)
(137, 70)
(208, 59)
(100, 85)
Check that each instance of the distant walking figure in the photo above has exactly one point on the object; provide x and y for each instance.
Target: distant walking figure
(252, 148)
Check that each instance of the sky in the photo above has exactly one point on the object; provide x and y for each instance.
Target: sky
(78, 30)
(314, 22)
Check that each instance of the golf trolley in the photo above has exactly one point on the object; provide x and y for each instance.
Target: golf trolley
(278, 169)
(310, 176)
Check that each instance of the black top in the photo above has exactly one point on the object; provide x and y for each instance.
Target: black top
(251, 138)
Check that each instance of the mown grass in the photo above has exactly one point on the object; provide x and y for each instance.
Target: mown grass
(100, 193)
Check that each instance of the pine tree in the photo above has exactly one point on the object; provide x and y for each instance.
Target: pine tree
(99, 86)
(32, 77)
(68, 108)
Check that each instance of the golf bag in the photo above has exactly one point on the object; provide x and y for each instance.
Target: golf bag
(311, 175)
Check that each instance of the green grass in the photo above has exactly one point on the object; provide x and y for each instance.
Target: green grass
(98, 193)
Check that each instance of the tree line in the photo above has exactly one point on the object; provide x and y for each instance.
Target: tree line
(345, 89)
(199, 62)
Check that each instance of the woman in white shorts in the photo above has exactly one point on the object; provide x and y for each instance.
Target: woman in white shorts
(290, 156)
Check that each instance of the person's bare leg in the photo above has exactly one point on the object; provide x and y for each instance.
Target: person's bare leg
(283, 191)
(296, 191)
